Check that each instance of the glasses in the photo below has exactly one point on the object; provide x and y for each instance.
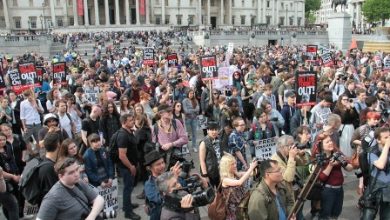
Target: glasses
(95, 140)
(275, 171)
(344, 99)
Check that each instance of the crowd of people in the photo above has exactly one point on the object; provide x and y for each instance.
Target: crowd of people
(117, 117)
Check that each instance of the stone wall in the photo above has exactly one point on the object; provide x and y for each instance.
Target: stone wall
(18, 45)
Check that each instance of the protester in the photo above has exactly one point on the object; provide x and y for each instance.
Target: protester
(69, 148)
(109, 122)
(191, 109)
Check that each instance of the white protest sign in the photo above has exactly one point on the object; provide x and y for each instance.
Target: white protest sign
(223, 78)
(386, 63)
(91, 94)
(110, 196)
(264, 149)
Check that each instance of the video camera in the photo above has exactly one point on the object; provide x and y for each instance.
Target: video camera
(302, 146)
(103, 215)
(338, 156)
(174, 81)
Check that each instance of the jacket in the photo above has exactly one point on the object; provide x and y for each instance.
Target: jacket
(211, 159)
(91, 166)
(262, 203)
(189, 110)
(297, 120)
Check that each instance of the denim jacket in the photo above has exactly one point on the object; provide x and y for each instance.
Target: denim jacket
(91, 166)
(154, 198)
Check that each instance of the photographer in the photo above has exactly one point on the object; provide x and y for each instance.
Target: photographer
(70, 198)
(377, 195)
(178, 203)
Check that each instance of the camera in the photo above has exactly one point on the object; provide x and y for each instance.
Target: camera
(343, 77)
(228, 92)
(108, 214)
(301, 146)
(338, 156)
(174, 81)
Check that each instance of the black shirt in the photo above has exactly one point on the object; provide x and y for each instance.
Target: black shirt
(47, 176)
(90, 126)
(129, 141)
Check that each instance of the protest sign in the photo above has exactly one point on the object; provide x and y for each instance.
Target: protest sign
(264, 149)
(327, 59)
(2, 82)
(148, 58)
(28, 76)
(311, 51)
(30, 209)
(92, 94)
(209, 67)
(110, 196)
(172, 59)
(386, 63)
(40, 71)
(305, 88)
(59, 73)
(223, 78)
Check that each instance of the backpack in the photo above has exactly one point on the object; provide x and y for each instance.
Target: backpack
(364, 164)
(113, 147)
(29, 184)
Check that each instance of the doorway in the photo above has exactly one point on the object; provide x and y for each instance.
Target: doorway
(272, 42)
(112, 16)
(133, 18)
(213, 21)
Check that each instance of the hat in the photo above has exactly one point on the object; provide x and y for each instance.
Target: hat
(151, 157)
(290, 94)
(48, 117)
(164, 108)
(212, 125)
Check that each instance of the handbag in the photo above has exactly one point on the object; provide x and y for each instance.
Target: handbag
(355, 160)
(217, 209)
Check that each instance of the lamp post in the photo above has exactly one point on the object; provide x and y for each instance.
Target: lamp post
(41, 18)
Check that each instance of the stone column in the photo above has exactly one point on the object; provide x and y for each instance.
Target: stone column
(106, 13)
(117, 21)
(264, 20)
(358, 15)
(95, 4)
(277, 12)
(199, 12)
(137, 11)
(52, 13)
(258, 11)
(147, 9)
(6, 16)
(163, 11)
(230, 12)
(86, 15)
(127, 7)
(222, 21)
(303, 14)
(208, 13)
(75, 15)
(296, 13)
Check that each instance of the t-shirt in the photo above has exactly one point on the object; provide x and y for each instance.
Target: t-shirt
(128, 140)
(60, 204)
(47, 176)
(90, 126)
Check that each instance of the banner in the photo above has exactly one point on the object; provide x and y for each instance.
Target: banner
(264, 149)
(208, 66)
(80, 8)
(148, 58)
(59, 73)
(327, 59)
(173, 60)
(110, 196)
(311, 51)
(142, 7)
(223, 78)
(306, 88)
(15, 81)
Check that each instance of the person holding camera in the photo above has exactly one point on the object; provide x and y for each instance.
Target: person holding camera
(337, 85)
(70, 198)
(331, 176)
(376, 195)
(270, 200)
(210, 154)
(178, 203)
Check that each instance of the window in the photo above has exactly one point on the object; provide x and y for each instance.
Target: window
(179, 18)
(243, 3)
(158, 19)
(191, 19)
(267, 4)
(58, 3)
(15, 3)
(233, 19)
(282, 5)
(166, 19)
(299, 21)
(212, 3)
(268, 20)
(232, 3)
(242, 19)
(166, 2)
(71, 21)
(60, 22)
(281, 21)
(253, 19)
(31, 3)
(291, 20)
(17, 22)
(253, 3)
(33, 22)
(46, 3)
(191, 2)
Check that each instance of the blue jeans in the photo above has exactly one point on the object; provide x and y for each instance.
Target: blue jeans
(192, 123)
(331, 202)
(128, 183)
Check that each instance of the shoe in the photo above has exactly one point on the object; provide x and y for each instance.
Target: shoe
(141, 195)
(134, 205)
(132, 216)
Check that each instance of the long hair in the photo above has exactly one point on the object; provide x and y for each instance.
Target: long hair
(339, 103)
(174, 105)
(225, 164)
(122, 107)
(63, 150)
(106, 113)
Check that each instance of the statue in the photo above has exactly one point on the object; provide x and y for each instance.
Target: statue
(335, 3)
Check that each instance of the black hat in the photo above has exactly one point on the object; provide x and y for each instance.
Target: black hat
(151, 157)
(212, 125)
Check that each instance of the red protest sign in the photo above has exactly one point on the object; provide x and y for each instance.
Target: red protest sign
(59, 73)
(306, 88)
(172, 59)
(209, 67)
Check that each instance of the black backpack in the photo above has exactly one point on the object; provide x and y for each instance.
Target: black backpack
(113, 147)
(29, 184)
(364, 164)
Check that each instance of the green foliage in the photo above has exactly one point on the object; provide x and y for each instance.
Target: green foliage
(310, 7)
(376, 10)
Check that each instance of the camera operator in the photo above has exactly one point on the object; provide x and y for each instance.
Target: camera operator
(178, 203)
(70, 198)
(377, 194)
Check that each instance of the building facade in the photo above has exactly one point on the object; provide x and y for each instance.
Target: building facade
(42, 15)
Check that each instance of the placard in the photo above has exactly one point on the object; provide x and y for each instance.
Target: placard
(173, 60)
(40, 71)
(311, 51)
(327, 59)
(264, 149)
(110, 196)
(305, 88)
(386, 63)
(28, 75)
(91, 94)
(223, 78)
(59, 73)
(209, 67)
(148, 58)
(2, 82)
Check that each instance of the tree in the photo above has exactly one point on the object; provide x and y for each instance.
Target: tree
(376, 10)
(310, 7)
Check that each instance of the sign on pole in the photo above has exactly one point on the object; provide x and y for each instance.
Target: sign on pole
(209, 67)
(305, 88)
(311, 51)
(148, 58)
(327, 59)
(264, 149)
(173, 60)
(59, 73)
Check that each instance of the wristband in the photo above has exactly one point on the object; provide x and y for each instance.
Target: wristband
(205, 175)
